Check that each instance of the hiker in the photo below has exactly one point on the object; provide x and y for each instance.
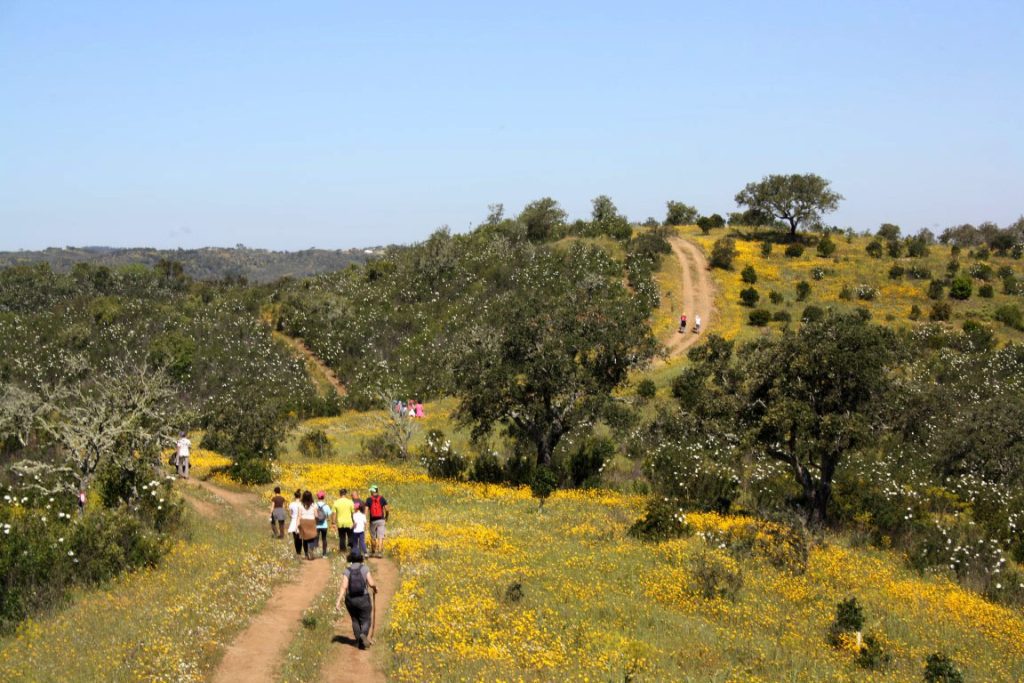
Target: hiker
(419, 409)
(378, 513)
(81, 502)
(343, 509)
(682, 323)
(696, 323)
(356, 585)
(293, 526)
(183, 450)
(359, 531)
(323, 521)
(307, 524)
(277, 514)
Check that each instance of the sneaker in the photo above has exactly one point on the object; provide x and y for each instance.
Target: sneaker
(363, 643)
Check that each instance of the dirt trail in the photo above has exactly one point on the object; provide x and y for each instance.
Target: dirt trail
(698, 295)
(321, 367)
(346, 662)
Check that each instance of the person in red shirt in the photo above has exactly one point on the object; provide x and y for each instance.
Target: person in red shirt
(377, 513)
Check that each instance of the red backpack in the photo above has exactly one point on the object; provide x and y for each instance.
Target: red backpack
(376, 507)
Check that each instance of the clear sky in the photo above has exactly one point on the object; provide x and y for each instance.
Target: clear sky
(333, 124)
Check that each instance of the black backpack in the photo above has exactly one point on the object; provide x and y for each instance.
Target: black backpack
(356, 581)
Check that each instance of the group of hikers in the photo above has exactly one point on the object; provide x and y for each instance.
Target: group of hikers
(309, 523)
(412, 408)
(696, 323)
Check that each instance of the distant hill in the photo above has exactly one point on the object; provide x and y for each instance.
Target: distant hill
(208, 263)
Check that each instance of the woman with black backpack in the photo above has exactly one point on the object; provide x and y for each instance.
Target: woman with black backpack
(356, 586)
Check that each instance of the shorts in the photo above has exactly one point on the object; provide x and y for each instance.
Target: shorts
(377, 529)
(277, 515)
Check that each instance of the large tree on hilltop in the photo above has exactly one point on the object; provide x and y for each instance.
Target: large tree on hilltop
(797, 199)
(546, 356)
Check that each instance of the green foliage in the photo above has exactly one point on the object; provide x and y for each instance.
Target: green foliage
(544, 483)
(661, 521)
(794, 250)
(888, 232)
(803, 290)
(917, 247)
(749, 275)
(1011, 316)
(544, 219)
(759, 317)
(440, 459)
(709, 223)
(796, 199)
(916, 272)
(979, 337)
(766, 249)
(894, 248)
(941, 669)
(380, 447)
(679, 213)
(588, 459)
(936, 290)
(716, 574)
(961, 288)
(986, 291)
(915, 312)
(874, 249)
(315, 444)
(896, 272)
(776, 297)
(941, 311)
(749, 296)
(782, 316)
(849, 619)
(646, 388)
(723, 251)
(826, 247)
(487, 468)
(812, 314)
(872, 655)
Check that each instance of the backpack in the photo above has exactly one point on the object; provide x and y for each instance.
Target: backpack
(376, 508)
(356, 581)
(320, 514)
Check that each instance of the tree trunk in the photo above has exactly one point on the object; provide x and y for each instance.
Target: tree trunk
(792, 229)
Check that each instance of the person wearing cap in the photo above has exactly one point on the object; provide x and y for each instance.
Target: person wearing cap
(323, 521)
(377, 512)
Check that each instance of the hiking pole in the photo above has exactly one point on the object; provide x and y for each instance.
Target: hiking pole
(373, 623)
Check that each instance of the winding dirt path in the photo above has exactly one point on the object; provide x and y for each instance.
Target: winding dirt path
(346, 662)
(307, 353)
(698, 295)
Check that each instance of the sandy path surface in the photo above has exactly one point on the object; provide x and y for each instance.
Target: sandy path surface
(346, 662)
(698, 295)
(301, 347)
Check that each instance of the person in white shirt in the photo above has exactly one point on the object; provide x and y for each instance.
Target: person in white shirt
(184, 449)
(359, 531)
(293, 526)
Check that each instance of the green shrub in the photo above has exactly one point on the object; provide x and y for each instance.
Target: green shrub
(894, 248)
(716, 574)
(315, 444)
(794, 250)
(941, 311)
(1011, 316)
(803, 290)
(766, 249)
(812, 314)
(872, 655)
(749, 296)
(380, 447)
(979, 336)
(986, 291)
(826, 247)
(775, 297)
(915, 312)
(953, 267)
(935, 290)
(846, 293)
(440, 459)
(687, 385)
(982, 271)
(723, 251)
(866, 292)
(982, 253)
(251, 470)
(896, 272)
(759, 317)
(961, 288)
(916, 272)
(849, 619)
(588, 459)
(646, 388)
(1011, 285)
(917, 247)
(487, 468)
(940, 669)
(782, 316)
(874, 249)
(662, 521)
(749, 275)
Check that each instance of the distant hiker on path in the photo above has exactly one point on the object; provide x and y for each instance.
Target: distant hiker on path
(682, 323)
(359, 531)
(378, 512)
(295, 507)
(183, 450)
(419, 409)
(356, 586)
(307, 524)
(277, 514)
(323, 521)
(696, 323)
(343, 509)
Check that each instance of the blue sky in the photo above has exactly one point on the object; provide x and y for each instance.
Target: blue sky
(288, 125)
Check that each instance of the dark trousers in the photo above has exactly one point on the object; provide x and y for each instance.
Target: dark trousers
(344, 538)
(322, 534)
(298, 543)
(360, 609)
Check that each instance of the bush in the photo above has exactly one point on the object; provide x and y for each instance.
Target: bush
(487, 469)
(380, 447)
(1011, 285)
(916, 272)
(826, 247)
(723, 252)
(940, 669)
(866, 292)
(440, 459)
(812, 314)
(782, 316)
(749, 275)
(716, 574)
(953, 267)
(646, 388)
(794, 250)
(1011, 316)
(749, 296)
(982, 271)
(759, 317)
(961, 288)
(915, 312)
(661, 521)
(846, 294)
(588, 459)
(917, 247)
(803, 290)
(983, 253)
(818, 273)
(766, 249)
(252, 470)
(315, 444)
(894, 248)
(775, 297)
(986, 291)
(935, 290)
(874, 249)
(896, 272)
(980, 337)
(686, 386)
(872, 655)
(849, 619)
(940, 311)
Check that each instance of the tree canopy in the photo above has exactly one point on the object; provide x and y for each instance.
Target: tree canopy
(798, 199)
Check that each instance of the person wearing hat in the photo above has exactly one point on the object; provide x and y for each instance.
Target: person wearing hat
(377, 512)
(323, 520)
